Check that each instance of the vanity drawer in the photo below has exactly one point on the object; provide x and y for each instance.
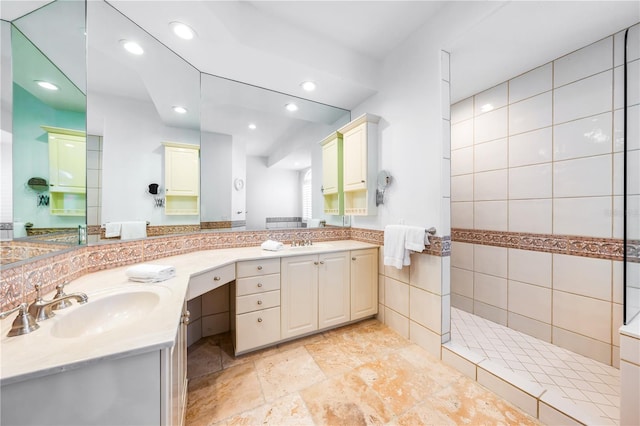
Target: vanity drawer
(208, 281)
(261, 284)
(256, 329)
(252, 268)
(254, 302)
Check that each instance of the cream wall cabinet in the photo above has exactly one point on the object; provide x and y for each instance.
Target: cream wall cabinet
(332, 174)
(364, 283)
(255, 310)
(182, 178)
(67, 171)
(360, 165)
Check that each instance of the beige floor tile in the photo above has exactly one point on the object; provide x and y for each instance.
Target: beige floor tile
(288, 410)
(423, 362)
(345, 400)
(286, 372)
(334, 356)
(214, 397)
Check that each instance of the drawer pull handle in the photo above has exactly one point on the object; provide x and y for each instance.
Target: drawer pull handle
(259, 319)
(216, 278)
(259, 268)
(259, 302)
(259, 284)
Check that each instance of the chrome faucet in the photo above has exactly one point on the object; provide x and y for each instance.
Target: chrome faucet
(301, 243)
(23, 323)
(42, 309)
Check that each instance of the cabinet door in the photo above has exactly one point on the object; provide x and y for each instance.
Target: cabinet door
(333, 289)
(299, 295)
(355, 158)
(182, 174)
(330, 167)
(67, 163)
(364, 283)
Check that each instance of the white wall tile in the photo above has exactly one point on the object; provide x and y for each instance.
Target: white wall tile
(633, 129)
(531, 147)
(462, 134)
(532, 216)
(490, 260)
(530, 301)
(462, 282)
(462, 215)
(583, 177)
(396, 296)
(589, 216)
(458, 362)
(633, 225)
(589, 60)
(629, 389)
(490, 312)
(445, 100)
(381, 285)
(445, 178)
(490, 185)
(583, 138)
(633, 47)
(630, 349)
(462, 110)
(582, 275)
(445, 274)
(462, 302)
(462, 161)
(93, 159)
(426, 273)
(616, 323)
(425, 309)
(531, 83)
(490, 215)
(401, 275)
(445, 216)
(533, 267)
(491, 125)
(503, 387)
(491, 99)
(530, 181)
(582, 315)
(462, 188)
(425, 338)
(397, 322)
(490, 290)
(538, 329)
(633, 176)
(490, 155)
(633, 85)
(617, 281)
(446, 139)
(462, 255)
(583, 345)
(530, 114)
(93, 178)
(583, 98)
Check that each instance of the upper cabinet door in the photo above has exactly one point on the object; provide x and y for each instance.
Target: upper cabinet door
(330, 166)
(67, 162)
(182, 174)
(355, 158)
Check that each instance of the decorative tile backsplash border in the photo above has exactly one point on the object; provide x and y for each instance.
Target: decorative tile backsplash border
(440, 246)
(600, 248)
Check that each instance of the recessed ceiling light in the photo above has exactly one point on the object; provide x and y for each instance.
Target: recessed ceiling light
(182, 30)
(179, 109)
(291, 107)
(46, 85)
(309, 86)
(132, 47)
(252, 126)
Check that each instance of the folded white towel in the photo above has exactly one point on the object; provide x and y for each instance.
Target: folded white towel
(395, 253)
(272, 245)
(133, 230)
(112, 229)
(147, 273)
(415, 238)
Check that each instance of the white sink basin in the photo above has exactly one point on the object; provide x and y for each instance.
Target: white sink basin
(316, 246)
(105, 313)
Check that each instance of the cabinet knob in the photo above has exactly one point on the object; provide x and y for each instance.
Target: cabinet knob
(362, 181)
(216, 278)
(353, 258)
(259, 268)
(322, 262)
(259, 284)
(315, 263)
(185, 317)
(259, 302)
(259, 319)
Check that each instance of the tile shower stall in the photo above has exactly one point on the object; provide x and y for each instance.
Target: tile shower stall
(537, 199)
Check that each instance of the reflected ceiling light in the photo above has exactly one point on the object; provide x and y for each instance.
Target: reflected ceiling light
(291, 107)
(46, 85)
(486, 108)
(252, 126)
(132, 47)
(309, 86)
(182, 30)
(179, 109)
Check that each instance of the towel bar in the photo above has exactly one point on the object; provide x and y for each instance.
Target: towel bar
(431, 231)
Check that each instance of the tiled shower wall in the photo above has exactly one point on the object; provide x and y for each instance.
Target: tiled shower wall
(542, 154)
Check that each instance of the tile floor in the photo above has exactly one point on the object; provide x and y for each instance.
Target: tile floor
(359, 374)
(591, 385)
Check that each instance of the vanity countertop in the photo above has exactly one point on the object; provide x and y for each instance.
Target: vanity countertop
(41, 352)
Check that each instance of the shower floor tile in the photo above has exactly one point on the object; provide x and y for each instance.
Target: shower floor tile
(591, 385)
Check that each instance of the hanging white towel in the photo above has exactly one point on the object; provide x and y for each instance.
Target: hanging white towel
(415, 238)
(133, 230)
(147, 273)
(395, 253)
(112, 229)
(272, 245)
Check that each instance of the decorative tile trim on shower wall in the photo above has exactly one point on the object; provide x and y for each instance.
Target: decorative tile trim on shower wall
(599, 248)
(440, 246)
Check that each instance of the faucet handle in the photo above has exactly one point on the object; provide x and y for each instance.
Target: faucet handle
(64, 303)
(24, 322)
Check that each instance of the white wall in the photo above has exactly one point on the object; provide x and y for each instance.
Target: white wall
(133, 157)
(271, 192)
(239, 171)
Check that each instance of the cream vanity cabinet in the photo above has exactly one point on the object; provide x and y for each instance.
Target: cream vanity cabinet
(181, 178)
(364, 283)
(173, 380)
(360, 150)
(255, 310)
(332, 174)
(67, 171)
